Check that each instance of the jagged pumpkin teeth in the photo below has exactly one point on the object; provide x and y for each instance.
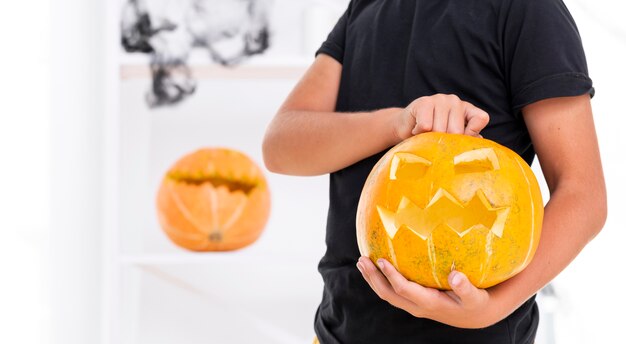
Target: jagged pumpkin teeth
(438, 202)
(213, 200)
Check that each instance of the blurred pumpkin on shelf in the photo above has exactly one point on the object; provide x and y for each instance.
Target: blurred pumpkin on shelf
(440, 202)
(214, 199)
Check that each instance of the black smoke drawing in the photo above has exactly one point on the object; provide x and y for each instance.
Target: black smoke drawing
(229, 30)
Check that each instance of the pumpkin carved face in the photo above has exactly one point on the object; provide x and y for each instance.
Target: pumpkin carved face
(213, 200)
(441, 202)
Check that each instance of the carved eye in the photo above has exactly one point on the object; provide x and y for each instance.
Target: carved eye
(478, 160)
(408, 166)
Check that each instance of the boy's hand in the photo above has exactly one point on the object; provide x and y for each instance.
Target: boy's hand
(465, 306)
(441, 113)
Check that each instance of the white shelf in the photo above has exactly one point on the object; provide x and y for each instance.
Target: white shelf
(213, 71)
(199, 59)
(192, 258)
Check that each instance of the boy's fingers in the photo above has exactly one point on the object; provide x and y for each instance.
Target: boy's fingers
(468, 294)
(456, 121)
(423, 118)
(440, 121)
(476, 119)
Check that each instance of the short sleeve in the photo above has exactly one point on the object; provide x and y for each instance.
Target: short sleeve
(336, 41)
(544, 56)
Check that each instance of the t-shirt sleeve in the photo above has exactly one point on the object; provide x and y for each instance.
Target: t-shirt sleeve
(544, 56)
(336, 41)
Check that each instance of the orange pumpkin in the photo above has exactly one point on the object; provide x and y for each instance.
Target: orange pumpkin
(214, 199)
(441, 202)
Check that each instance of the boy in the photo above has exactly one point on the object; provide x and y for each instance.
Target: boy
(512, 71)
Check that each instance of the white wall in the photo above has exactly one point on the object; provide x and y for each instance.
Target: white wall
(24, 169)
(74, 259)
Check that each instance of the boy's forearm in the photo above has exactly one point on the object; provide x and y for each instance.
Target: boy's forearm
(573, 216)
(314, 143)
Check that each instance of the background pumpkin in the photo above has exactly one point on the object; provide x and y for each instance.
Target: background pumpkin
(214, 199)
(438, 202)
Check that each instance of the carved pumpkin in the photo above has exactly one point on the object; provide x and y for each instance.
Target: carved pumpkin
(438, 202)
(213, 200)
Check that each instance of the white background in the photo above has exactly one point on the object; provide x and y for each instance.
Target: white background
(53, 148)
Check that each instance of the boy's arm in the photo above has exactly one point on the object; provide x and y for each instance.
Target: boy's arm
(564, 138)
(306, 137)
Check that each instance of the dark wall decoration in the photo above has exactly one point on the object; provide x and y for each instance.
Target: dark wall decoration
(229, 30)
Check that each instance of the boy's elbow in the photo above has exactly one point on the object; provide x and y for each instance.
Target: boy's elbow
(601, 213)
(271, 164)
(598, 210)
(270, 156)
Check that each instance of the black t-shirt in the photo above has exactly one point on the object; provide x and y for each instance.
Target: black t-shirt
(499, 55)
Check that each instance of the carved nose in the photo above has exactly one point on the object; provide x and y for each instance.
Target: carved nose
(441, 174)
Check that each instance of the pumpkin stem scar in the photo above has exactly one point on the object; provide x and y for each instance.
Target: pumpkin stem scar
(215, 236)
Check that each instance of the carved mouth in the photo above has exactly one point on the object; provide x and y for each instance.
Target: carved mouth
(233, 185)
(445, 209)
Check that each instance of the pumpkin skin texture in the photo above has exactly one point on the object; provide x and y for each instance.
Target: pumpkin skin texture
(214, 199)
(439, 202)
